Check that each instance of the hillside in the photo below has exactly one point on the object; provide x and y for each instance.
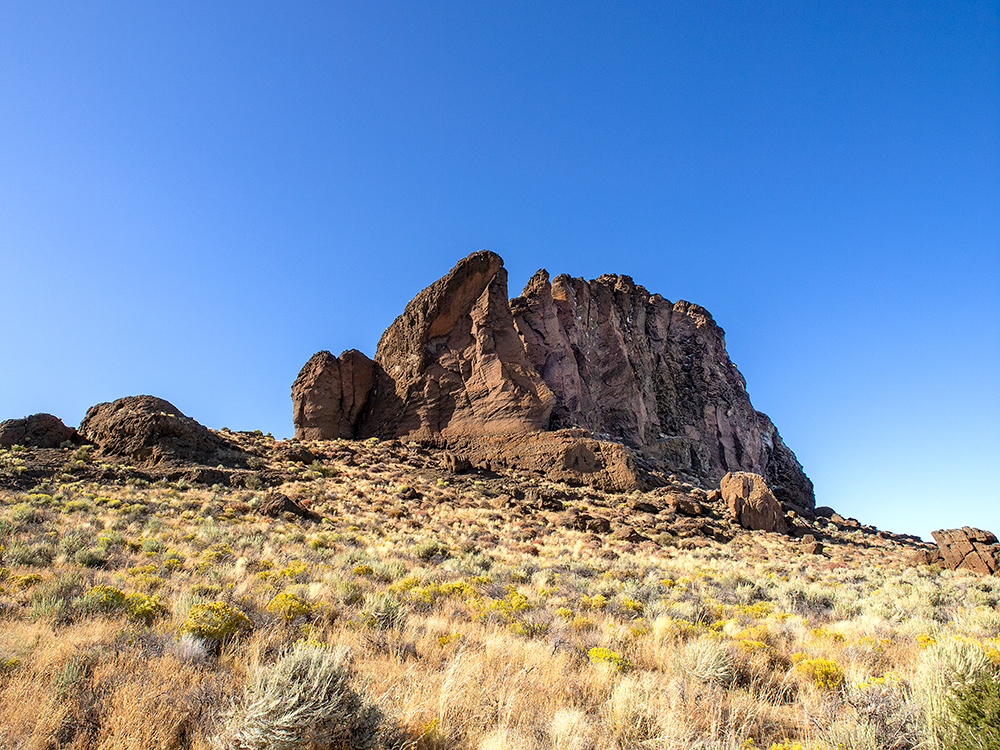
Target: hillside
(480, 610)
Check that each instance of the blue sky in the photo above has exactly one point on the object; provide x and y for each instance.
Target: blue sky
(196, 197)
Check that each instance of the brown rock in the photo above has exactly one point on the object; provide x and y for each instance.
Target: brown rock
(275, 503)
(681, 504)
(35, 431)
(149, 429)
(329, 394)
(751, 502)
(968, 548)
(452, 363)
(653, 374)
(562, 456)
(813, 548)
(454, 463)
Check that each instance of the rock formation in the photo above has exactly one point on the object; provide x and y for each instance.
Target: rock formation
(966, 548)
(606, 356)
(329, 393)
(453, 365)
(652, 374)
(150, 430)
(35, 431)
(751, 502)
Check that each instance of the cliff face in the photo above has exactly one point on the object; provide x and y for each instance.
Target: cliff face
(652, 374)
(604, 355)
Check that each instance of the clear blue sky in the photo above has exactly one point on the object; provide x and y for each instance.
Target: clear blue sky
(195, 197)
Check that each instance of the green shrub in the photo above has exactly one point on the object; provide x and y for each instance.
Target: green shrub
(104, 599)
(214, 621)
(427, 549)
(289, 606)
(305, 700)
(382, 612)
(143, 607)
(976, 710)
(93, 557)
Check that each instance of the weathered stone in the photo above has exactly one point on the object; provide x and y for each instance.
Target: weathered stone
(276, 503)
(329, 394)
(452, 364)
(562, 456)
(751, 502)
(454, 463)
(968, 548)
(653, 374)
(604, 357)
(812, 548)
(35, 431)
(151, 430)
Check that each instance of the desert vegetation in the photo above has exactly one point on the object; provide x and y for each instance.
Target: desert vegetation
(415, 609)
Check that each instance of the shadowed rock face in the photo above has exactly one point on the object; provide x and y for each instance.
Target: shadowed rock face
(152, 430)
(35, 431)
(653, 374)
(329, 393)
(452, 364)
(464, 361)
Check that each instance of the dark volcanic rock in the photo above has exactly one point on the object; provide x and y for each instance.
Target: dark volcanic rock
(276, 503)
(329, 394)
(653, 374)
(151, 430)
(452, 363)
(968, 548)
(35, 431)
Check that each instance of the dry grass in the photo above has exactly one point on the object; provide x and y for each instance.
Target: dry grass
(458, 637)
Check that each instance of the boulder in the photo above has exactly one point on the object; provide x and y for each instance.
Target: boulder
(276, 503)
(329, 394)
(150, 430)
(968, 548)
(453, 365)
(35, 431)
(751, 502)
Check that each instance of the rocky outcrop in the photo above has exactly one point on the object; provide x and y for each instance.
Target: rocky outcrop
(751, 503)
(966, 548)
(652, 374)
(150, 430)
(605, 356)
(329, 394)
(35, 431)
(452, 364)
(568, 456)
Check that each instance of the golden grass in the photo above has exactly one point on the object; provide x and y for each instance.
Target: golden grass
(744, 645)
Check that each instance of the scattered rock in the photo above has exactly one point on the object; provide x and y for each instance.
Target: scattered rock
(35, 431)
(151, 430)
(751, 502)
(812, 548)
(968, 548)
